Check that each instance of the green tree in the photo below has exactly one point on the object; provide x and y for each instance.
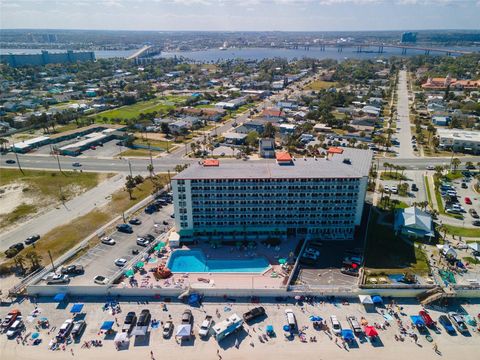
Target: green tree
(130, 185)
(252, 139)
(269, 130)
(455, 164)
(34, 258)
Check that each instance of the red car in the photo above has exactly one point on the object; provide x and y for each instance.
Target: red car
(427, 318)
(468, 201)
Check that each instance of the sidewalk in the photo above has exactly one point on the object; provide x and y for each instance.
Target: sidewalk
(72, 209)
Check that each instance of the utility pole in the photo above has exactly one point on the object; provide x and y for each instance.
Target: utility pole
(150, 150)
(18, 162)
(51, 260)
(130, 167)
(186, 149)
(169, 187)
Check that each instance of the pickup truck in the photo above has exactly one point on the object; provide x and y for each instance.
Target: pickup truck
(254, 313)
(205, 327)
(129, 322)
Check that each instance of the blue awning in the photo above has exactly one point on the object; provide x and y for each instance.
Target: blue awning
(76, 308)
(377, 299)
(107, 325)
(59, 297)
(347, 334)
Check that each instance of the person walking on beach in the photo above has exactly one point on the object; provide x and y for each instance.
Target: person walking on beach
(435, 347)
(151, 355)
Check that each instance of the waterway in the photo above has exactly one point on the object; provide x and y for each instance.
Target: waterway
(214, 55)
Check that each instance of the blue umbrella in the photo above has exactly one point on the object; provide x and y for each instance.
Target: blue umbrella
(107, 325)
(269, 328)
(35, 335)
(286, 328)
(417, 320)
(60, 297)
(76, 308)
(347, 334)
(377, 299)
(315, 318)
(193, 299)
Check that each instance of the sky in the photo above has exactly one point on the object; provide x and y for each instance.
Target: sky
(238, 15)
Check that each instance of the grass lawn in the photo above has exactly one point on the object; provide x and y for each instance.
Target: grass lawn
(156, 143)
(320, 84)
(429, 194)
(20, 212)
(138, 152)
(132, 111)
(67, 127)
(454, 175)
(392, 176)
(461, 231)
(63, 238)
(385, 251)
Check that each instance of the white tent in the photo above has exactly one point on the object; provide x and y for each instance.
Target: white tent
(184, 330)
(474, 246)
(174, 239)
(365, 299)
(447, 251)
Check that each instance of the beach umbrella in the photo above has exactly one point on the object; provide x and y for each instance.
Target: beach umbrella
(282, 261)
(370, 331)
(76, 308)
(60, 297)
(35, 335)
(269, 328)
(107, 325)
(129, 273)
(377, 299)
(140, 264)
(347, 334)
(159, 246)
(315, 318)
(286, 328)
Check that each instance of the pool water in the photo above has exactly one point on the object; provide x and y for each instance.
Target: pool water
(194, 261)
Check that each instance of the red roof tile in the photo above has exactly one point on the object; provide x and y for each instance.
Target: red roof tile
(211, 162)
(283, 156)
(335, 150)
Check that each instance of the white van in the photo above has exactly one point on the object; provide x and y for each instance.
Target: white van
(291, 320)
(15, 329)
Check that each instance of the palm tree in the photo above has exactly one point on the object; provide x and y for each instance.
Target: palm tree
(20, 262)
(455, 164)
(150, 169)
(3, 141)
(130, 185)
(34, 258)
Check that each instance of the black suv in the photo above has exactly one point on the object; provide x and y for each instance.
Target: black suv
(254, 313)
(31, 239)
(73, 270)
(144, 318)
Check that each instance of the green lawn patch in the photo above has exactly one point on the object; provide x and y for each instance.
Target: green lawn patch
(20, 212)
(137, 153)
(454, 175)
(320, 85)
(429, 193)
(462, 231)
(392, 176)
(133, 111)
(384, 250)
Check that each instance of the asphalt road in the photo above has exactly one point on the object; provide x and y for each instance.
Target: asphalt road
(404, 133)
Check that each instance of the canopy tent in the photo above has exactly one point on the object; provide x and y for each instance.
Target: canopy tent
(60, 297)
(377, 299)
(140, 264)
(447, 251)
(184, 330)
(347, 334)
(121, 337)
(107, 325)
(365, 299)
(193, 299)
(139, 330)
(159, 246)
(417, 320)
(474, 246)
(76, 308)
(370, 331)
(129, 273)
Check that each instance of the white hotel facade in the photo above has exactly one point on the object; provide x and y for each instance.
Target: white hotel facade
(313, 197)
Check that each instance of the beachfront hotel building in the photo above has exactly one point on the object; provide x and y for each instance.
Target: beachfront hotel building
(319, 198)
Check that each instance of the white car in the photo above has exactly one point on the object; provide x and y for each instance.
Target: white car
(108, 241)
(336, 327)
(386, 188)
(205, 327)
(394, 189)
(430, 167)
(101, 280)
(120, 262)
(291, 320)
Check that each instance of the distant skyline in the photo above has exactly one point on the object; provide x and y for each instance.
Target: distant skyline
(241, 15)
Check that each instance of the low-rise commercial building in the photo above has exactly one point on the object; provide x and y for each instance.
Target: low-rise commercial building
(312, 197)
(459, 140)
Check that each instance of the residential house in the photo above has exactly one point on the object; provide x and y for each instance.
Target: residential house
(414, 223)
(179, 127)
(266, 148)
(233, 138)
(441, 120)
(272, 113)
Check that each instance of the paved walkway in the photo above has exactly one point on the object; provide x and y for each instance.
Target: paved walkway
(62, 215)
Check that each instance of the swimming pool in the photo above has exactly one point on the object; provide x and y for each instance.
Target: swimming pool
(194, 261)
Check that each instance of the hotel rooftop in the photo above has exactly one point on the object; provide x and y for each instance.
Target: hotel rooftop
(340, 163)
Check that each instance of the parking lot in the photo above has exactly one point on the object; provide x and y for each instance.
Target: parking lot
(100, 260)
(109, 149)
(414, 177)
(326, 270)
(466, 197)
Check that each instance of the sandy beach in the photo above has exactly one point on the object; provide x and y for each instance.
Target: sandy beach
(450, 347)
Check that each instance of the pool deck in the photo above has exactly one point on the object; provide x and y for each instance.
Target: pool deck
(272, 278)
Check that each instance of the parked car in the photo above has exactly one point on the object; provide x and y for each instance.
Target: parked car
(473, 213)
(447, 324)
(73, 269)
(336, 327)
(120, 262)
(10, 319)
(142, 241)
(394, 190)
(150, 209)
(464, 185)
(354, 324)
(65, 329)
(144, 318)
(470, 167)
(129, 322)
(476, 222)
(15, 329)
(125, 228)
(32, 239)
(291, 320)
(100, 280)
(205, 327)
(468, 201)
(187, 317)
(108, 241)
(458, 321)
(253, 313)
(78, 328)
(427, 318)
(414, 187)
(59, 279)
(135, 221)
(167, 329)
